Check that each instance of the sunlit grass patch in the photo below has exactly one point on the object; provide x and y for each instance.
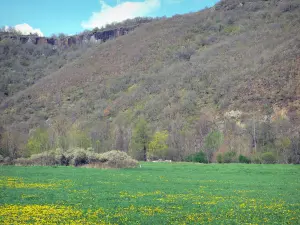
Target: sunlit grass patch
(124, 194)
(24, 196)
(16, 182)
(39, 214)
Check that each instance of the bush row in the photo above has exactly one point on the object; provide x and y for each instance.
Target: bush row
(118, 159)
(79, 157)
(199, 157)
(232, 157)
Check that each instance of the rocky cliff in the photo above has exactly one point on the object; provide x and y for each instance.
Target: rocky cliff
(94, 37)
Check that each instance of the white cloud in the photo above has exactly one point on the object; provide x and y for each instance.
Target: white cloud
(27, 29)
(174, 1)
(120, 12)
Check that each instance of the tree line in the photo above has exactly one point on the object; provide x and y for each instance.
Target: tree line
(204, 141)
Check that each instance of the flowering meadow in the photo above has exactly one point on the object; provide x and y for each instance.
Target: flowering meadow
(155, 193)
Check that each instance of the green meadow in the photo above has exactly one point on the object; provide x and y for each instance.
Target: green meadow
(155, 193)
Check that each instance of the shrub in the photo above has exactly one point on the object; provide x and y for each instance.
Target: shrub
(93, 157)
(220, 158)
(43, 159)
(207, 41)
(22, 162)
(268, 158)
(1, 159)
(229, 157)
(199, 157)
(256, 159)
(61, 158)
(77, 157)
(244, 159)
(117, 159)
(231, 29)
(49, 158)
(185, 53)
(7, 160)
(287, 6)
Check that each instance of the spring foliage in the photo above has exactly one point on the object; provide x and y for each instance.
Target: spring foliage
(158, 145)
(38, 141)
(212, 142)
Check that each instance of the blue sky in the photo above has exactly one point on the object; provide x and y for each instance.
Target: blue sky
(74, 16)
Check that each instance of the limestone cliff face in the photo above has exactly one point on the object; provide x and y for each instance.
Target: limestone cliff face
(94, 37)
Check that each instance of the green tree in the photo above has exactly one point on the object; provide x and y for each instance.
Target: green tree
(38, 142)
(83, 140)
(211, 143)
(158, 145)
(283, 146)
(141, 137)
(79, 138)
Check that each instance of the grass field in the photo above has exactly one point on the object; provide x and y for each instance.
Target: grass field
(156, 193)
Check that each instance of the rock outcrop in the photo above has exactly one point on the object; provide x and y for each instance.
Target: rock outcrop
(94, 37)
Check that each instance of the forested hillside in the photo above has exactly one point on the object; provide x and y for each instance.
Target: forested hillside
(224, 81)
(21, 65)
(26, 58)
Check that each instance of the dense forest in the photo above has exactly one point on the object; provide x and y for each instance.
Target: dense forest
(219, 85)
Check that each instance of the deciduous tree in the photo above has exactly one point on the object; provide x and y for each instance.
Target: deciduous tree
(211, 143)
(141, 137)
(158, 145)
